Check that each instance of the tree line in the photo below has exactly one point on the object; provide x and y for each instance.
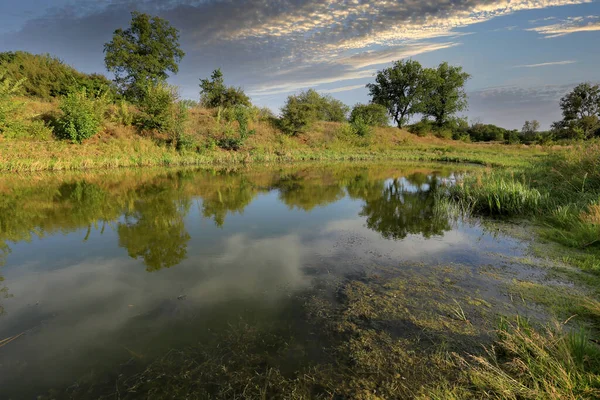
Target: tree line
(143, 56)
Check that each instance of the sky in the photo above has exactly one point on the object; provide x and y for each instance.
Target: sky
(523, 55)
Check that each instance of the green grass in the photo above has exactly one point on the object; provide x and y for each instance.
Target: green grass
(528, 363)
(559, 192)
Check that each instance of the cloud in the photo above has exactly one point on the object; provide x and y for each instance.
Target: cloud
(546, 64)
(342, 89)
(369, 58)
(570, 25)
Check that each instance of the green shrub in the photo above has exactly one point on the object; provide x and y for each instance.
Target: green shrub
(81, 116)
(46, 77)
(371, 114)
(298, 114)
(214, 93)
(123, 114)
(8, 106)
(360, 127)
(443, 133)
(302, 110)
(235, 140)
(162, 112)
(421, 128)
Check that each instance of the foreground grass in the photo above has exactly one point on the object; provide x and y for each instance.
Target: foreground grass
(560, 193)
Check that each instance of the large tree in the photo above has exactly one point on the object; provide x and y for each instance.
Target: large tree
(444, 92)
(143, 53)
(399, 89)
(581, 112)
(582, 102)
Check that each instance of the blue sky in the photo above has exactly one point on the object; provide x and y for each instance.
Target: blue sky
(523, 55)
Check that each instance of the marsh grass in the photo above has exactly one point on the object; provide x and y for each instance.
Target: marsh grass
(528, 363)
(560, 193)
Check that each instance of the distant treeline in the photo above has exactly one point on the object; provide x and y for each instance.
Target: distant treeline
(142, 56)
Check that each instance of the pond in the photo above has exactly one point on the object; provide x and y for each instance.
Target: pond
(301, 281)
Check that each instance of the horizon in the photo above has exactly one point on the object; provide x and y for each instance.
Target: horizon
(522, 55)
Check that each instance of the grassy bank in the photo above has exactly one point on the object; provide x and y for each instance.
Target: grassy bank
(560, 193)
(118, 145)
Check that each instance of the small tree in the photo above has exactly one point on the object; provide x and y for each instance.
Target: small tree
(529, 132)
(303, 109)
(298, 114)
(81, 116)
(400, 90)
(214, 93)
(162, 111)
(444, 92)
(143, 54)
(371, 114)
(332, 110)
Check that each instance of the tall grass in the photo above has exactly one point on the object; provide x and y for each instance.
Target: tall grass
(528, 363)
(498, 194)
(561, 192)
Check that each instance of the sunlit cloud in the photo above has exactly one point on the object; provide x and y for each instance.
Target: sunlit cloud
(570, 25)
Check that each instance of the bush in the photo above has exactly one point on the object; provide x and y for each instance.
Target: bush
(46, 77)
(81, 116)
(370, 114)
(162, 111)
(298, 114)
(8, 106)
(421, 128)
(303, 109)
(214, 93)
(242, 116)
(487, 132)
(360, 127)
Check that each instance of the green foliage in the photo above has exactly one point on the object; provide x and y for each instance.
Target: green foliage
(421, 128)
(123, 114)
(242, 116)
(214, 93)
(45, 77)
(143, 54)
(161, 111)
(400, 90)
(370, 114)
(529, 132)
(81, 116)
(444, 92)
(581, 113)
(514, 137)
(305, 108)
(8, 105)
(497, 195)
(487, 133)
(360, 127)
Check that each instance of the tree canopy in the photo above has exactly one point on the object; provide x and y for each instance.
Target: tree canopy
(445, 92)
(144, 53)
(400, 89)
(214, 93)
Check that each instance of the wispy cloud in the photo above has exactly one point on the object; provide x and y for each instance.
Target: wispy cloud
(546, 64)
(570, 25)
(342, 89)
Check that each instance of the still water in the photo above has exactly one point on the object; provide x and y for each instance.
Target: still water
(105, 273)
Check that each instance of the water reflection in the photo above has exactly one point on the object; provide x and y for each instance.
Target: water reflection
(401, 209)
(221, 244)
(149, 210)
